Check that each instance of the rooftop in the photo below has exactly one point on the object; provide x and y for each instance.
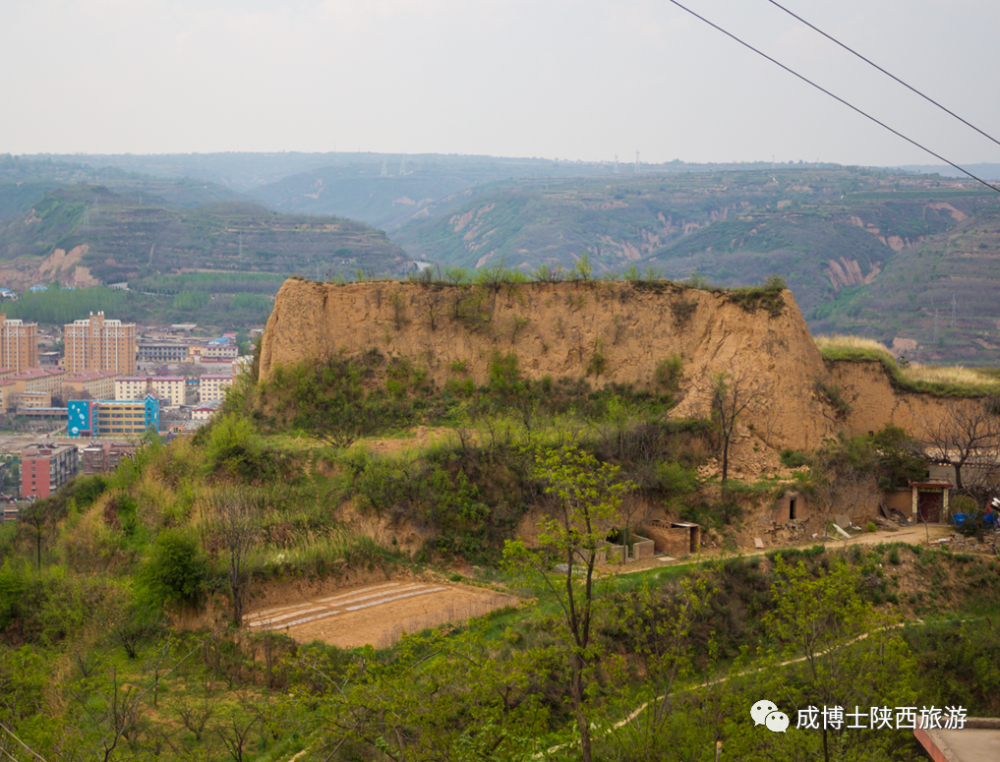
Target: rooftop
(29, 373)
(90, 375)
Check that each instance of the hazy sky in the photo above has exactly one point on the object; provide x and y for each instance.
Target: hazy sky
(577, 79)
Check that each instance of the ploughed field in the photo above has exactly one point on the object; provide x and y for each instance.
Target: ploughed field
(377, 614)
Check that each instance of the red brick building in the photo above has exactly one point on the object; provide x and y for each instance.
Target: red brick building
(45, 468)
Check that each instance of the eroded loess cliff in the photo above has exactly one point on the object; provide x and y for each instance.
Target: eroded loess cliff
(874, 401)
(606, 332)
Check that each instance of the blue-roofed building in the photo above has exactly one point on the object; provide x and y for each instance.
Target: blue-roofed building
(39, 288)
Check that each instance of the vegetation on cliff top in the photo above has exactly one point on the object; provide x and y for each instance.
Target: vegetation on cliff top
(938, 381)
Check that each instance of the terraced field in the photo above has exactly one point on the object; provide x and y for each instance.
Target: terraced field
(378, 614)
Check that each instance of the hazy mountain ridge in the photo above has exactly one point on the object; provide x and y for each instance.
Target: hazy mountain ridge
(854, 244)
(125, 238)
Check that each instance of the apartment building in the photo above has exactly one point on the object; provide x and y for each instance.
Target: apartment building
(98, 385)
(112, 418)
(33, 387)
(162, 351)
(212, 351)
(45, 468)
(170, 389)
(18, 344)
(100, 458)
(213, 387)
(242, 365)
(203, 411)
(97, 343)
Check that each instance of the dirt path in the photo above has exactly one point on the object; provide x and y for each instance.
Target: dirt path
(912, 535)
(378, 614)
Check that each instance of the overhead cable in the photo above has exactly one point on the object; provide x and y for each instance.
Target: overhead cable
(822, 89)
(888, 74)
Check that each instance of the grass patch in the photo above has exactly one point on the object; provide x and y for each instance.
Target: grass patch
(950, 381)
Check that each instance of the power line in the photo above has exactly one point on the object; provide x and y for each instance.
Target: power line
(888, 74)
(822, 89)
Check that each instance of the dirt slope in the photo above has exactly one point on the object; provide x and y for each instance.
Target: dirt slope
(874, 402)
(556, 329)
(561, 329)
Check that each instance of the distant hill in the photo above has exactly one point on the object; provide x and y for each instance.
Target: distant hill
(941, 294)
(352, 184)
(985, 171)
(864, 250)
(82, 234)
(23, 182)
(833, 234)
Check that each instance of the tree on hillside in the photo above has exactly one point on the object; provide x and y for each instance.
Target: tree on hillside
(38, 519)
(846, 654)
(730, 395)
(968, 436)
(236, 522)
(440, 696)
(588, 496)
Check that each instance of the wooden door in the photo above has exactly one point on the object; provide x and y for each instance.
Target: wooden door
(929, 505)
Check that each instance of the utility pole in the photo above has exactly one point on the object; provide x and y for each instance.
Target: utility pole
(637, 162)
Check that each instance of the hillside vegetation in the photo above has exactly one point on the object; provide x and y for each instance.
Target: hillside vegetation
(948, 380)
(118, 595)
(24, 182)
(882, 254)
(124, 238)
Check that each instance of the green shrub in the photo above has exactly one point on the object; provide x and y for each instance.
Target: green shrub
(674, 479)
(668, 373)
(174, 573)
(234, 448)
(598, 361)
(793, 458)
(505, 377)
(831, 393)
(460, 387)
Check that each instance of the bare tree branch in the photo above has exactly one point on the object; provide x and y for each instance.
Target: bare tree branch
(235, 519)
(968, 437)
(731, 394)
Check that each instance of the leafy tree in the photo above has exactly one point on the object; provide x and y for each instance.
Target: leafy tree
(660, 628)
(437, 697)
(37, 519)
(588, 497)
(174, 573)
(838, 650)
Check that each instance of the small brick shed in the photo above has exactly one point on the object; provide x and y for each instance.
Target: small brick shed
(675, 538)
(790, 507)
